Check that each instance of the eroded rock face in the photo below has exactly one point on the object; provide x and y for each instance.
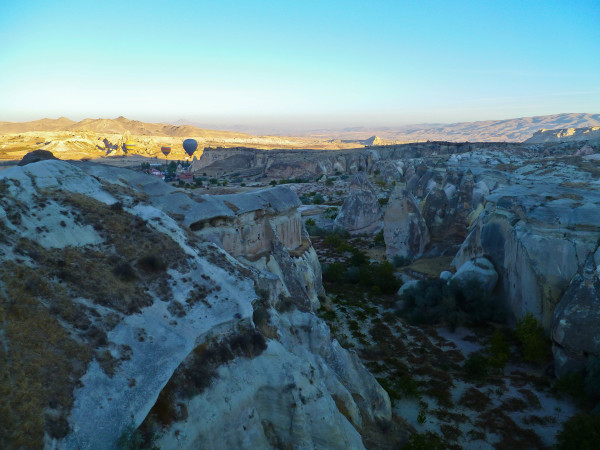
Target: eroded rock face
(405, 230)
(575, 326)
(360, 182)
(314, 163)
(360, 213)
(537, 246)
(168, 291)
(261, 403)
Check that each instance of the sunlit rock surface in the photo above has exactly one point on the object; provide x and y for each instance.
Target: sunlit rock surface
(221, 258)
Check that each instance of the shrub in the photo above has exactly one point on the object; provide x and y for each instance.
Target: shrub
(400, 261)
(358, 258)
(314, 230)
(572, 384)
(305, 200)
(310, 222)
(273, 183)
(334, 272)
(379, 239)
(318, 199)
(531, 337)
(352, 275)
(124, 271)
(476, 367)
(435, 301)
(213, 181)
(424, 441)
(592, 378)
(333, 240)
(581, 432)
(379, 275)
(151, 263)
(383, 201)
(499, 350)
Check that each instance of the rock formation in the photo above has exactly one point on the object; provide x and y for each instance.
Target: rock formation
(480, 270)
(360, 213)
(575, 331)
(35, 156)
(146, 304)
(565, 134)
(405, 231)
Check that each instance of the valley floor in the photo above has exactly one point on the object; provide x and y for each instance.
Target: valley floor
(439, 379)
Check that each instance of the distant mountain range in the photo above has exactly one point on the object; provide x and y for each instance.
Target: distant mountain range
(115, 126)
(510, 130)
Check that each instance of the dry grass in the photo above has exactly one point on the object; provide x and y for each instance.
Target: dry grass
(47, 336)
(512, 436)
(431, 267)
(39, 362)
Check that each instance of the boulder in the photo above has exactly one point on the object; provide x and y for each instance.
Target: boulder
(35, 156)
(480, 270)
(405, 231)
(360, 213)
(445, 275)
(575, 326)
(408, 285)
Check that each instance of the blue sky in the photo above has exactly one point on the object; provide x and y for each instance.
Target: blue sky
(313, 63)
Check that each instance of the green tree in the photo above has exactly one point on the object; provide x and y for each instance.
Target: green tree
(379, 239)
(334, 272)
(172, 168)
(318, 199)
(531, 337)
(499, 350)
(581, 432)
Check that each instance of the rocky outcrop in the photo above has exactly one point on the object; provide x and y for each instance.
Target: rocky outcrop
(315, 163)
(405, 231)
(538, 237)
(270, 401)
(130, 287)
(360, 213)
(575, 331)
(480, 270)
(35, 156)
(565, 134)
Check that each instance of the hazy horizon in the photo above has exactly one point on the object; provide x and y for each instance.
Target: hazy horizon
(302, 65)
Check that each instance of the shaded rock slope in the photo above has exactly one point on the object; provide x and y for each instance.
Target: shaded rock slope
(134, 312)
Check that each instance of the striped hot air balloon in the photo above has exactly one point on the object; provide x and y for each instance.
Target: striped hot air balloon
(190, 146)
(165, 150)
(129, 146)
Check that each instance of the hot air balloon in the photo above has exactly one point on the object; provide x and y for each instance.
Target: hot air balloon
(165, 150)
(190, 146)
(129, 146)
